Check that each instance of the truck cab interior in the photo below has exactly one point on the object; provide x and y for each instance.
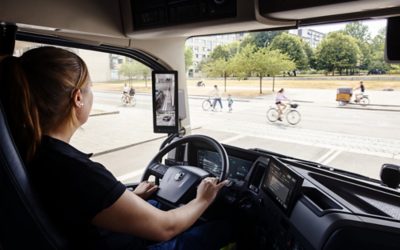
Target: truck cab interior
(282, 201)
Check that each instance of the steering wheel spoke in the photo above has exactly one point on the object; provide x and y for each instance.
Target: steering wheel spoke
(156, 169)
(178, 184)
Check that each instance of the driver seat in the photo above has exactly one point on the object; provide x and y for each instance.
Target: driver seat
(23, 222)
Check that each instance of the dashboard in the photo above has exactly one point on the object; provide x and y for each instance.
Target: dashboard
(294, 205)
(211, 162)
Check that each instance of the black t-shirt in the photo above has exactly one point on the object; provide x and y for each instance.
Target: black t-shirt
(73, 190)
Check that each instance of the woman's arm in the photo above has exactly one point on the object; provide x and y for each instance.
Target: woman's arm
(131, 214)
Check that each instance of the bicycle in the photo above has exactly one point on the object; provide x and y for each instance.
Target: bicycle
(362, 100)
(127, 99)
(292, 115)
(209, 104)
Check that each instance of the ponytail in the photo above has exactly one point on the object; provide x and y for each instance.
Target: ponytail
(22, 113)
(36, 91)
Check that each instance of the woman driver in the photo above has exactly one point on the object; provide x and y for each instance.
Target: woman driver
(47, 93)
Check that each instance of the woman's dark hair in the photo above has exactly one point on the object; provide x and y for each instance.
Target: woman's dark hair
(281, 90)
(37, 93)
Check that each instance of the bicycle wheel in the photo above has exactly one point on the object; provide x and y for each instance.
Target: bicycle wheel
(133, 101)
(124, 100)
(293, 117)
(206, 105)
(272, 114)
(364, 101)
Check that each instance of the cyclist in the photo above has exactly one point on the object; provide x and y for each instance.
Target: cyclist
(127, 94)
(280, 97)
(217, 97)
(360, 94)
(126, 89)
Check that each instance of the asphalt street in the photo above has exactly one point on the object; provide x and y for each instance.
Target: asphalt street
(352, 137)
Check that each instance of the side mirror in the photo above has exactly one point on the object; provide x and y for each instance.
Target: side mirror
(390, 175)
(7, 38)
(392, 50)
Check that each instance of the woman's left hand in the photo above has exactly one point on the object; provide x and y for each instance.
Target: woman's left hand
(145, 189)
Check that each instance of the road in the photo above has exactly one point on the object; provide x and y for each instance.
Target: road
(354, 138)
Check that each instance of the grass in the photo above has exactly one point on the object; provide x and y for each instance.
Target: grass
(250, 88)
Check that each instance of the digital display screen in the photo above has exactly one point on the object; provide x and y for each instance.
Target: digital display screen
(211, 162)
(281, 183)
(165, 106)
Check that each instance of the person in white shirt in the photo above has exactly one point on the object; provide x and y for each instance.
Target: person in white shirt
(217, 97)
(279, 101)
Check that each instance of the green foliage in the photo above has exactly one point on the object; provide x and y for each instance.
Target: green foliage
(293, 47)
(377, 52)
(242, 63)
(134, 68)
(225, 51)
(312, 60)
(337, 51)
(358, 31)
(270, 62)
(260, 39)
(188, 57)
(365, 55)
(217, 68)
(261, 62)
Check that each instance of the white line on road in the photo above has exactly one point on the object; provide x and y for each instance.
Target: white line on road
(131, 175)
(333, 156)
(233, 138)
(326, 155)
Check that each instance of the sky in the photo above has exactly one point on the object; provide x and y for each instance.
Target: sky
(373, 26)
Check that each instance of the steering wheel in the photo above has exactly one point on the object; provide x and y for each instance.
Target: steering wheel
(177, 184)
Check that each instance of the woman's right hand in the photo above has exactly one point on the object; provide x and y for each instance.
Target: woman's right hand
(209, 188)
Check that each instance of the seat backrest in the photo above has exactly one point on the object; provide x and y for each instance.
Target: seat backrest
(23, 222)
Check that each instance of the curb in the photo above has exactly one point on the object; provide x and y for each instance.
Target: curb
(105, 113)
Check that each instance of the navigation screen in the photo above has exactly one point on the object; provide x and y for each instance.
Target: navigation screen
(282, 183)
(211, 162)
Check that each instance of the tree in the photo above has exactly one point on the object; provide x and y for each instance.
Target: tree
(312, 60)
(337, 51)
(377, 52)
(293, 47)
(218, 68)
(134, 68)
(361, 33)
(188, 58)
(225, 51)
(271, 62)
(242, 63)
(261, 62)
(365, 55)
(358, 31)
(260, 39)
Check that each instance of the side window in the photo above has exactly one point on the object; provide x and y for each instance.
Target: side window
(119, 131)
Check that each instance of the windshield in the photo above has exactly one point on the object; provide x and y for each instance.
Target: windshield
(240, 90)
(346, 98)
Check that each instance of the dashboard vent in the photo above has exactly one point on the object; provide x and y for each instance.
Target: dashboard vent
(319, 200)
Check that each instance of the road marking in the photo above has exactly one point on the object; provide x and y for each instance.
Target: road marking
(333, 156)
(309, 143)
(233, 138)
(130, 175)
(326, 155)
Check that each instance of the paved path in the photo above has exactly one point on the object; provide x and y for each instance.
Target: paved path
(358, 139)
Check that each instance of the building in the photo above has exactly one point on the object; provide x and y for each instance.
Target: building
(203, 46)
(312, 37)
